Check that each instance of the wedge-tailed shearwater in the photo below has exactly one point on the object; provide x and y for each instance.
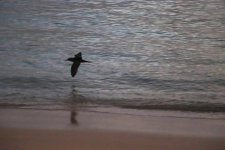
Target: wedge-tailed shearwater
(77, 59)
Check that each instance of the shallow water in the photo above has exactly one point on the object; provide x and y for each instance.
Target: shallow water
(166, 55)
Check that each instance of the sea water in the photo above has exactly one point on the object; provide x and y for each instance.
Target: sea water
(166, 55)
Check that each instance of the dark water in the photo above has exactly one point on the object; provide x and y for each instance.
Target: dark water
(157, 54)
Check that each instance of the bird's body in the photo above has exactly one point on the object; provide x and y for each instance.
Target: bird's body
(77, 59)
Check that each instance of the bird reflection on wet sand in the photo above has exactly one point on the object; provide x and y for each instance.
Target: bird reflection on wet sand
(73, 119)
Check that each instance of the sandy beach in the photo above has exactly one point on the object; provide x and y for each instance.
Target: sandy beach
(26, 129)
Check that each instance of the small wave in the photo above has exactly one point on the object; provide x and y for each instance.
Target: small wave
(32, 82)
(178, 85)
(179, 107)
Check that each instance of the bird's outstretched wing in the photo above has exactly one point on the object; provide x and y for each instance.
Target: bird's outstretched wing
(74, 68)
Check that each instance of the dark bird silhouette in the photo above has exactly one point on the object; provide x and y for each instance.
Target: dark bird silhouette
(77, 59)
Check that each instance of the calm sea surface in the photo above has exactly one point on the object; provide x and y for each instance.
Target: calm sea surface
(146, 54)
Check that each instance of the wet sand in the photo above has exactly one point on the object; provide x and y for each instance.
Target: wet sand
(40, 129)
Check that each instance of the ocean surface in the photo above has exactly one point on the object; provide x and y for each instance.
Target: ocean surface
(147, 55)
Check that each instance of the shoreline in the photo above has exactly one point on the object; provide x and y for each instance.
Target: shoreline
(42, 129)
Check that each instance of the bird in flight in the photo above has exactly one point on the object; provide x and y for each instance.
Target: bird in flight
(77, 59)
